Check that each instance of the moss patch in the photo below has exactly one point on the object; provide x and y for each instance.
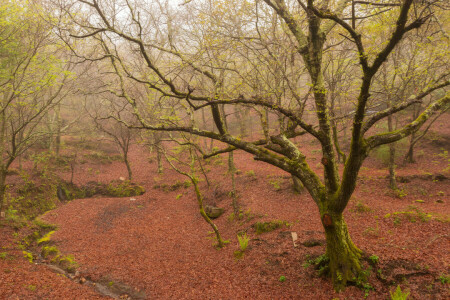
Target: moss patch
(46, 238)
(262, 227)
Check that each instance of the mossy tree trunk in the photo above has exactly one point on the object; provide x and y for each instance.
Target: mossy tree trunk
(297, 184)
(344, 257)
(220, 241)
(391, 163)
(2, 189)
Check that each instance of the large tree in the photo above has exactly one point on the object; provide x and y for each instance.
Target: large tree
(209, 54)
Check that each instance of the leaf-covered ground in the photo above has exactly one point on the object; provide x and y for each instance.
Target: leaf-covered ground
(158, 243)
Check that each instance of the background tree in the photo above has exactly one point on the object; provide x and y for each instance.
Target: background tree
(32, 78)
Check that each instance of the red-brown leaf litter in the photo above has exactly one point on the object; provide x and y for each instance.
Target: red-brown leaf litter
(159, 245)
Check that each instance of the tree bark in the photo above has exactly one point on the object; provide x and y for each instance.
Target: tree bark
(297, 184)
(127, 163)
(220, 241)
(344, 257)
(2, 189)
(232, 171)
(392, 180)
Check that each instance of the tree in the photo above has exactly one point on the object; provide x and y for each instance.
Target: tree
(32, 78)
(188, 64)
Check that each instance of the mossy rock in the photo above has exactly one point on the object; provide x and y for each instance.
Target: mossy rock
(262, 227)
(124, 189)
(213, 212)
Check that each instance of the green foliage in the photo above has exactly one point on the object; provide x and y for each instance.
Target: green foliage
(68, 262)
(400, 193)
(14, 219)
(276, 183)
(374, 259)
(243, 244)
(399, 294)
(28, 256)
(282, 279)
(243, 240)
(444, 279)
(3, 255)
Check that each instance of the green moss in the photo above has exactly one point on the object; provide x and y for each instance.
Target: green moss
(45, 238)
(125, 189)
(49, 251)
(68, 262)
(262, 227)
(28, 256)
(44, 225)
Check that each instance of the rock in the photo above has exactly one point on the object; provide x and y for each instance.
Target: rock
(82, 280)
(294, 238)
(213, 212)
(122, 178)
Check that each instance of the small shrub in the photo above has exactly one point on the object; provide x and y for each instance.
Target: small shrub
(282, 279)
(444, 279)
(28, 256)
(276, 183)
(399, 294)
(243, 241)
(400, 193)
(374, 259)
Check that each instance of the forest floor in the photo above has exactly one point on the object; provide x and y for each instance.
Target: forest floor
(159, 244)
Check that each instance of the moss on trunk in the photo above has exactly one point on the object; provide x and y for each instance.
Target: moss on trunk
(344, 257)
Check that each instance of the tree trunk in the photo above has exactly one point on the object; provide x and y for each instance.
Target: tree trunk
(344, 257)
(127, 163)
(159, 160)
(220, 241)
(2, 190)
(58, 130)
(392, 180)
(297, 184)
(232, 171)
(409, 157)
